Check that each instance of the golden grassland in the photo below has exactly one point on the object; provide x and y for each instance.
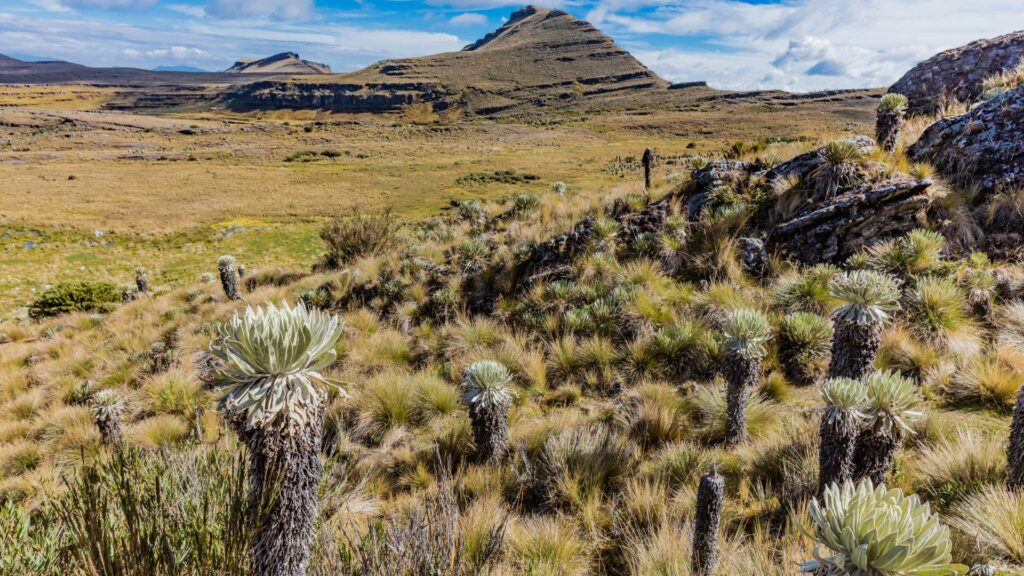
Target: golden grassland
(174, 191)
(624, 506)
(629, 503)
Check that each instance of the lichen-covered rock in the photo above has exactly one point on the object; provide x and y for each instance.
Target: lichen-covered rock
(834, 230)
(959, 73)
(982, 149)
(803, 165)
(716, 174)
(753, 256)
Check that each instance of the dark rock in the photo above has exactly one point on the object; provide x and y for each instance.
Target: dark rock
(753, 256)
(803, 165)
(715, 174)
(959, 73)
(983, 148)
(834, 230)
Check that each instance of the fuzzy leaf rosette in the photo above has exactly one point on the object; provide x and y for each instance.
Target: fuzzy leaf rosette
(271, 358)
(868, 297)
(487, 384)
(877, 531)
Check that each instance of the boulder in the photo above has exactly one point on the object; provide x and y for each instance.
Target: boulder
(959, 73)
(982, 149)
(834, 230)
(800, 167)
(753, 256)
(715, 174)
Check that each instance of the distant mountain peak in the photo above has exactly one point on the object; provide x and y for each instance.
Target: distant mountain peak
(283, 63)
(524, 25)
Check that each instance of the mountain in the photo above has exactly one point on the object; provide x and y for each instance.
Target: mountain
(539, 58)
(283, 63)
(15, 71)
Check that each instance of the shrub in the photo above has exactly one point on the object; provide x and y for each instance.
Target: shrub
(166, 514)
(69, 297)
(361, 234)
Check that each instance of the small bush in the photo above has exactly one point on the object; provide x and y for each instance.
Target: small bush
(359, 235)
(498, 176)
(69, 297)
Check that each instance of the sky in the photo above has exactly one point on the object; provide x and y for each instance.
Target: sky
(797, 45)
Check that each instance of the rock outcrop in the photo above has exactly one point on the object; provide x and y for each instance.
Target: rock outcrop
(959, 73)
(835, 230)
(982, 149)
(341, 97)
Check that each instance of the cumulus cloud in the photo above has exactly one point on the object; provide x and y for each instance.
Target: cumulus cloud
(177, 52)
(94, 41)
(805, 44)
(261, 9)
(468, 19)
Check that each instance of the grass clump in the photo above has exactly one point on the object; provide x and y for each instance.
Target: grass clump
(358, 235)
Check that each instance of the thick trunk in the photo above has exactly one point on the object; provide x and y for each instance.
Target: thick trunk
(710, 498)
(1015, 450)
(142, 283)
(229, 280)
(286, 472)
(490, 432)
(741, 375)
(887, 129)
(854, 347)
(648, 161)
(800, 369)
(873, 456)
(111, 432)
(838, 434)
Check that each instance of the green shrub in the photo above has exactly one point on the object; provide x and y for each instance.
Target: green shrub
(74, 297)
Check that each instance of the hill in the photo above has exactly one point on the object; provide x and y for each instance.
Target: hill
(283, 63)
(14, 71)
(539, 58)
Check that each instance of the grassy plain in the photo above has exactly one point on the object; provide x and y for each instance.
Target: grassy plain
(94, 193)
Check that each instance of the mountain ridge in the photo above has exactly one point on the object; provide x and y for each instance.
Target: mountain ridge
(539, 58)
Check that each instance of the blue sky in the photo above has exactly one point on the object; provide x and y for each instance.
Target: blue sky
(790, 44)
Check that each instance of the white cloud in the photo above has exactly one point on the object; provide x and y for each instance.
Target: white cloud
(468, 19)
(97, 42)
(261, 9)
(108, 4)
(177, 52)
(188, 10)
(804, 44)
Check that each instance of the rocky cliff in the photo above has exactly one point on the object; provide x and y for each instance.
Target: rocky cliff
(959, 73)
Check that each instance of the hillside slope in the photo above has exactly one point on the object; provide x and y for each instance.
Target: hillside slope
(539, 58)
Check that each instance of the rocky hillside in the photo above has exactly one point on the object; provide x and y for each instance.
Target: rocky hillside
(539, 58)
(959, 73)
(283, 63)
